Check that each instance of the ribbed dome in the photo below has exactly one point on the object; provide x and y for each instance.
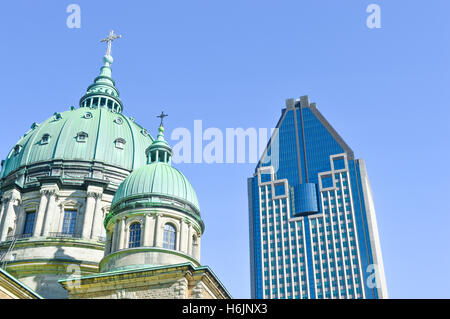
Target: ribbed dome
(157, 178)
(82, 134)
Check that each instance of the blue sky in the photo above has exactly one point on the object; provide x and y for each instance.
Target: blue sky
(232, 64)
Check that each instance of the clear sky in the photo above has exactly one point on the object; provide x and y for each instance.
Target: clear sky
(232, 64)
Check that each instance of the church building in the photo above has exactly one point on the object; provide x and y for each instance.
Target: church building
(91, 207)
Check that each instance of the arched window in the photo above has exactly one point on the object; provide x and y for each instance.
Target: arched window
(135, 235)
(170, 235)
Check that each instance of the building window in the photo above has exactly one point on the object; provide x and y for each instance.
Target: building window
(58, 116)
(135, 235)
(70, 218)
(120, 143)
(17, 149)
(29, 223)
(82, 137)
(88, 115)
(170, 235)
(45, 139)
(327, 182)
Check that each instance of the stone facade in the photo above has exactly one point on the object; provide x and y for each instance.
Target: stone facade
(42, 257)
(65, 212)
(151, 249)
(183, 281)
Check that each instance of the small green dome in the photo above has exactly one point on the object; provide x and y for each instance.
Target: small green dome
(157, 178)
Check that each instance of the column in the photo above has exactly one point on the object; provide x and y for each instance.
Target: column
(190, 233)
(124, 234)
(115, 237)
(89, 214)
(9, 218)
(120, 233)
(98, 220)
(177, 238)
(40, 214)
(148, 231)
(157, 241)
(197, 249)
(50, 212)
(7, 203)
(3, 208)
(182, 247)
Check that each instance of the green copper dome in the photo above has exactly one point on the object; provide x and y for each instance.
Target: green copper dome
(97, 131)
(156, 184)
(155, 179)
(82, 134)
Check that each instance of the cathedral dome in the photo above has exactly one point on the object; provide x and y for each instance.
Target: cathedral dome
(83, 134)
(95, 132)
(156, 184)
(157, 178)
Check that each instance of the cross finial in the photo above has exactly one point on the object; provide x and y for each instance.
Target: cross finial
(162, 116)
(109, 39)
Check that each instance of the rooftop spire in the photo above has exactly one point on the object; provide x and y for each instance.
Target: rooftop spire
(162, 116)
(109, 39)
(160, 150)
(103, 92)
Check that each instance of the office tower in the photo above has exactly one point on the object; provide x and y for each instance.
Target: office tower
(313, 231)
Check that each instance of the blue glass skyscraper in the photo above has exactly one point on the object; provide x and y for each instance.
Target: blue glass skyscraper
(313, 230)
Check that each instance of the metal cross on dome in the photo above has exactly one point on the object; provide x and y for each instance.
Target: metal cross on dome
(162, 116)
(109, 39)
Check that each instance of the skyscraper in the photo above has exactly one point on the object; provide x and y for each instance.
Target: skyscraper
(313, 230)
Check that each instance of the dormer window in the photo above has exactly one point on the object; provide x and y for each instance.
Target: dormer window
(45, 139)
(58, 116)
(118, 121)
(120, 143)
(17, 149)
(88, 115)
(82, 137)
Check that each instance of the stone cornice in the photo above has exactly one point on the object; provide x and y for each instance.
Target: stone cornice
(108, 281)
(89, 181)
